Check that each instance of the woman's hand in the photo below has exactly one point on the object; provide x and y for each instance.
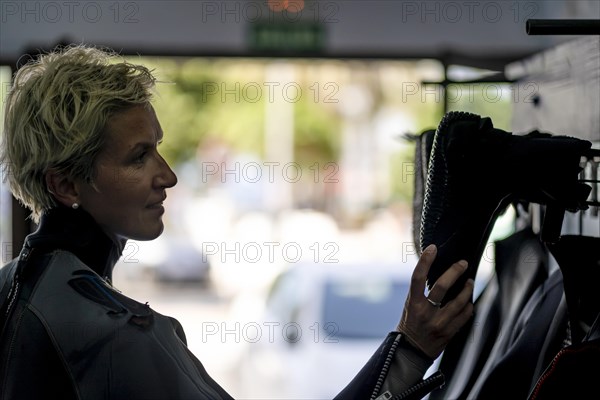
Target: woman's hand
(425, 324)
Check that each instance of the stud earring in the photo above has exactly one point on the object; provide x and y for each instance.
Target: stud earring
(75, 206)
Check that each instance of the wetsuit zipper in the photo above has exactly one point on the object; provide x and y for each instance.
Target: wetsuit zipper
(425, 386)
(386, 366)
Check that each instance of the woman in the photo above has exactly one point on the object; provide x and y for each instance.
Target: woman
(80, 149)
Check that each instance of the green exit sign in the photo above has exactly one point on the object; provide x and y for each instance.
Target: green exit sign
(297, 37)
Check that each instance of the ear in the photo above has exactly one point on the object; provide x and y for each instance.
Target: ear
(62, 187)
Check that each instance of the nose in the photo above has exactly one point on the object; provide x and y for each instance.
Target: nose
(166, 178)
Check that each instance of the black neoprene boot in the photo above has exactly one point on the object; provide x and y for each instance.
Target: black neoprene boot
(475, 171)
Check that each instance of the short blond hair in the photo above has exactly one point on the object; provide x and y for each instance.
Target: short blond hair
(56, 113)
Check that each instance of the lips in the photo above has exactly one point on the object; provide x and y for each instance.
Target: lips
(157, 204)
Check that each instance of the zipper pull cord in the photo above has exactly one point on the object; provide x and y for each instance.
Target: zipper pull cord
(422, 388)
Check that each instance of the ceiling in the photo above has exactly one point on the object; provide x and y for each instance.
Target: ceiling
(486, 34)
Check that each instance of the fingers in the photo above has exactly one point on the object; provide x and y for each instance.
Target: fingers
(460, 309)
(419, 276)
(448, 278)
(426, 326)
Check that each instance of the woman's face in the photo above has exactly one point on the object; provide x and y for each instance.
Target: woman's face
(131, 177)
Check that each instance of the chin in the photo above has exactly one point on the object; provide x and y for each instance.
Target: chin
(148, 234)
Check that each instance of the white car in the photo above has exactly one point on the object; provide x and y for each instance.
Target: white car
(169, 258)
(318, 325)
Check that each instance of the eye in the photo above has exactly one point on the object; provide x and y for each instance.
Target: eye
(141, 157)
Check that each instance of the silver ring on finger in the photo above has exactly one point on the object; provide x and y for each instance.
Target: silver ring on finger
(436, 304)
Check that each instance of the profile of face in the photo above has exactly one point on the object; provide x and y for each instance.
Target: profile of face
(126, 198)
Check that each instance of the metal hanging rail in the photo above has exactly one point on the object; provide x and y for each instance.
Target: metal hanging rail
(562, 26)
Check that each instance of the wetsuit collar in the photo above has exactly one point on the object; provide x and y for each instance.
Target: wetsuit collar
(77, 232)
